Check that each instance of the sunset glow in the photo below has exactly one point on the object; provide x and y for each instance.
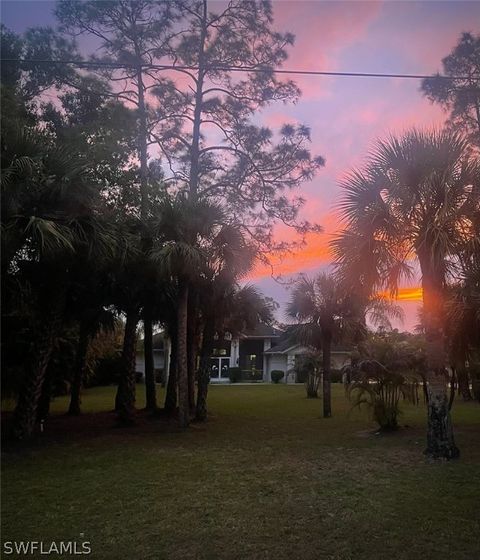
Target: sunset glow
(345, 115)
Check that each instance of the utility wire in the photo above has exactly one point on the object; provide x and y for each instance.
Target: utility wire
(118, 65)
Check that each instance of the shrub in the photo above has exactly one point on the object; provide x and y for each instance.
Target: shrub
(380, 390)
(277, 375)
(307, 371)
(235, 374)
(311, 384)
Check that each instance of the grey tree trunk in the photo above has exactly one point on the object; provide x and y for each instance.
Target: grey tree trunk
(192, 349)
(326, 364)
(182, 367)
(150, 387)
(204, 370)
(25, 414)
(171, 392)
(464, 384)
(440, 440)
(79, 371)
(126, 388)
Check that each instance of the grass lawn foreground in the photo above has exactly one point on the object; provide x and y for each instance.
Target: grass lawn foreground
(265, 478)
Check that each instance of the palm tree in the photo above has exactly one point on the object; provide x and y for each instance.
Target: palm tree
(325, 314)
(184, 231)
(413, 202)
(463, 313)
(48, 214)
(226, 307)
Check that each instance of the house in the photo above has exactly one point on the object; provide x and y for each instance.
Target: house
(284, 355)
(256, 352)
(160, 345)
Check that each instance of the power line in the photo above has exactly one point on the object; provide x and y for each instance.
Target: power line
(118, 65)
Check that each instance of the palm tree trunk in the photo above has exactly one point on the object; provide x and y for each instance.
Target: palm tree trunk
(182, 367)
(79, 370)
(126, 387)
(150, 388)
(25, 414)
(440, 440)
(204, 369)
(463, 384)
(191, 351)
(43, 409)
(326, 364)
(171, 392)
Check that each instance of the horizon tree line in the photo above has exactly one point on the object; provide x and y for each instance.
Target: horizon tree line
(153, 193)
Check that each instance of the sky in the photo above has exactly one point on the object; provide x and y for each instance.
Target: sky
(345, 115)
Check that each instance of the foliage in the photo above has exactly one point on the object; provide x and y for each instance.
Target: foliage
(380, 390)
(461, 97)
(277, 375)
(307, 370)
(235, 374)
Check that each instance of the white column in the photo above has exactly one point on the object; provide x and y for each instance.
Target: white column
(167, 347)
(234, 352)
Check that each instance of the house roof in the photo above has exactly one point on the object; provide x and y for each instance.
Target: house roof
(262, 331)
(287, 342)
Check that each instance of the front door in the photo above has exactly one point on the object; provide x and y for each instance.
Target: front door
(219, 368)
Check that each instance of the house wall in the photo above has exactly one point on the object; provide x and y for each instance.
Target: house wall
(286, 363)
(276, 361)
(158, 361)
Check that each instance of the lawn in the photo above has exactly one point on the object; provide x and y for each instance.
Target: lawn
(265, 478)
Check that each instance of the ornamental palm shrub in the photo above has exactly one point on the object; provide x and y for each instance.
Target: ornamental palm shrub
(380, 390)
(307, 369)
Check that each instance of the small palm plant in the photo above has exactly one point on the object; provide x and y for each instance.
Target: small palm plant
(380, 390)
(308, 369)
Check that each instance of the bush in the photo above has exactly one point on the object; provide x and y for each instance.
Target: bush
(380, 390)
(277, 375)
(311, 384)
(235, 374)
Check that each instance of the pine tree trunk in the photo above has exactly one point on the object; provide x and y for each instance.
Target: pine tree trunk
(25, 414)
(440, 440)
(126, 388)
(327, 386)
(171, 392)
(79, 371)
(204, 370)
(182, 368)
(150, 388)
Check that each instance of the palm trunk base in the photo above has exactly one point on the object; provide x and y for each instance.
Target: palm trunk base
(440, 440)
(201, 407)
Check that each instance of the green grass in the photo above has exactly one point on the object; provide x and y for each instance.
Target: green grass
(266, 478)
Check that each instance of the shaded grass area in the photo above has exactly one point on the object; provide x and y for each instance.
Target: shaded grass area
(265, 478)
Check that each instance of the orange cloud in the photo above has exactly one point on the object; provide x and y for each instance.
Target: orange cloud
(407, 294)
(316, 251)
